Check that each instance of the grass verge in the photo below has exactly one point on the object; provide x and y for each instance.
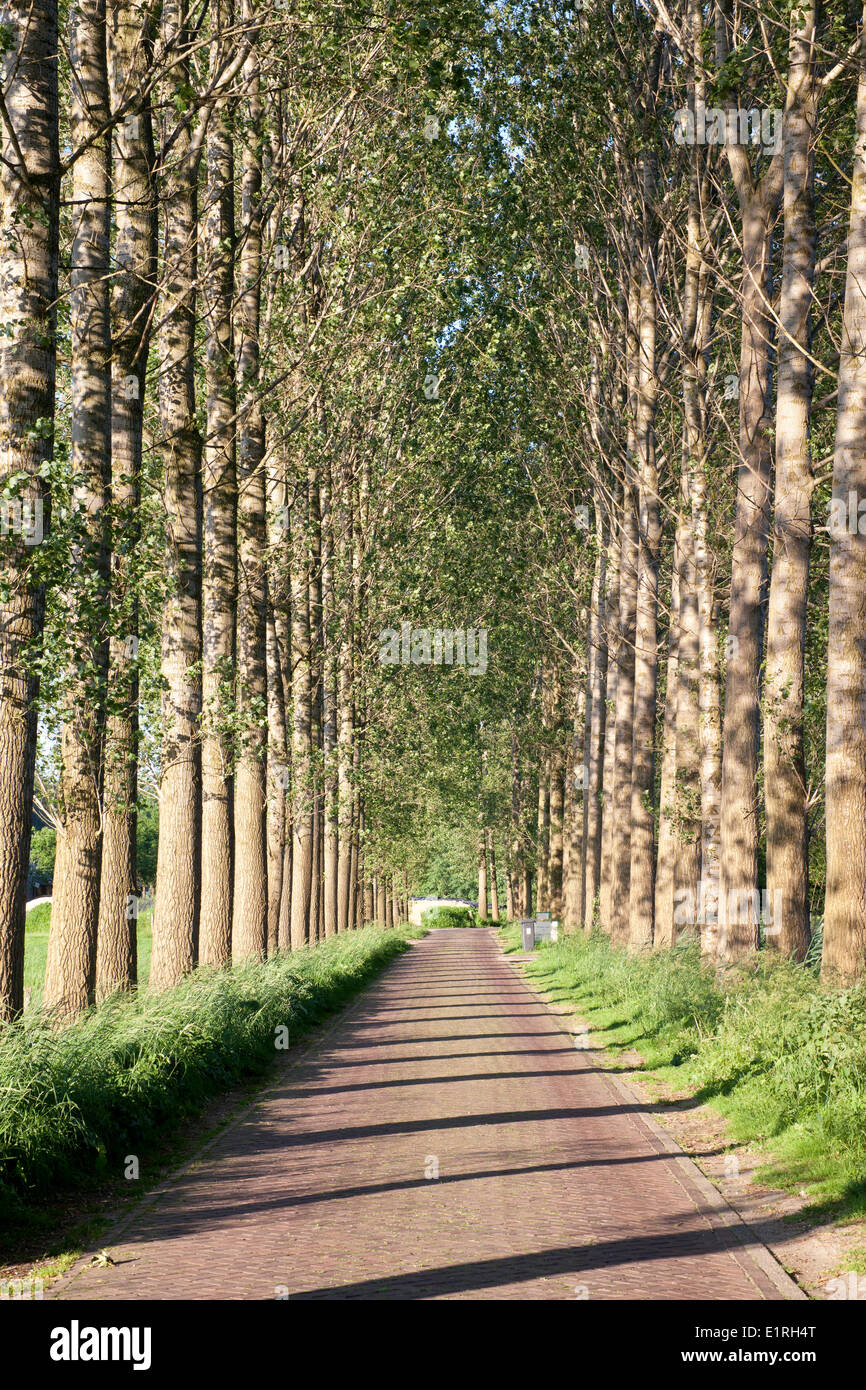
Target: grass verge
(76, 1102)
(782, 1057)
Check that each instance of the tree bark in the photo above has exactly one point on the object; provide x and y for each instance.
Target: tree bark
(738, 925)
(621, 809)
(302, 809)
(132, 299)
(664, 933)
(844, 946)
(220, 500)
(70, 972)
(175, 917)
(641, 889)
(784, 756)
(494, 887)
(28, 298)
(250, 904)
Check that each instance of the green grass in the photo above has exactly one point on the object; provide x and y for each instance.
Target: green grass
(449, 917)
(75, 1101)
(511, 938)
(36, 947)
(780, 1055)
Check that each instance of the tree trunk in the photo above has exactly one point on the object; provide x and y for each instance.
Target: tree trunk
(574, 860)
(613, 642)
(175, 917)
(133, 280)
(664, 933)
(598, 716)
(494, 887)
(784, 756)
(329, 716)
(219, 579)
(557, 798)
(250, 902)
(738, 924)
(592, 738)
(276, 808)
(621, 810)
(641, 895)
(70, 972)
(302, 809)
(844, 948)
(28, 296)
(345, 714)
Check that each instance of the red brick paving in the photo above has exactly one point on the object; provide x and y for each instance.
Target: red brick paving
(550, 1185)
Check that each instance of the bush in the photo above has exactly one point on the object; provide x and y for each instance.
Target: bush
(43, 849)
(449, 917)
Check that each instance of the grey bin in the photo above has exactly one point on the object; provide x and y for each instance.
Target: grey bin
(535, 929)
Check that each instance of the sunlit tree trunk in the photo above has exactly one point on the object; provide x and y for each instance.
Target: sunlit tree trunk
(595, 719)
(70, 972)
(219, 497)
(844, 947)
(738, 933)
(784, 757)
(621, 807)
(132, 293)
(494, 886)
(639, 926)
(28, 298)
(608, 746)
(249, 897)
(329, 715)
(175, 917)
(556, 802)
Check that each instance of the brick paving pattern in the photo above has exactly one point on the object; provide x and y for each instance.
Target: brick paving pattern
(549, 1185)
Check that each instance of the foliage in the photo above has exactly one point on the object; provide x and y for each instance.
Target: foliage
(780, 1054)
(74, 1101)
(449, 916)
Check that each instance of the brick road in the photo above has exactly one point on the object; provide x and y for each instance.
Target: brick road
(551, 1184)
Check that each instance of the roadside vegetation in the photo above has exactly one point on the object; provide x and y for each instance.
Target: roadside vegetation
(777, 1052)
(449, 916)
(77, 1102)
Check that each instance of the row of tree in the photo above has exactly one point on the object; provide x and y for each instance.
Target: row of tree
(416, 432)
(712, 775)
(197, 406)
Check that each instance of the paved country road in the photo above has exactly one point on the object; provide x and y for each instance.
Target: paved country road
(444, 1139)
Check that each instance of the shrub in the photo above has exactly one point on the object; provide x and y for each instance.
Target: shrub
(449, 917)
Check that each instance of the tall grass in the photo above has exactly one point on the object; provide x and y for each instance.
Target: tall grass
(75, 1101)
(781, 1055)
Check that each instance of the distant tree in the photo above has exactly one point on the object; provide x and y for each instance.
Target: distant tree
(43, 847)
(148, 840)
